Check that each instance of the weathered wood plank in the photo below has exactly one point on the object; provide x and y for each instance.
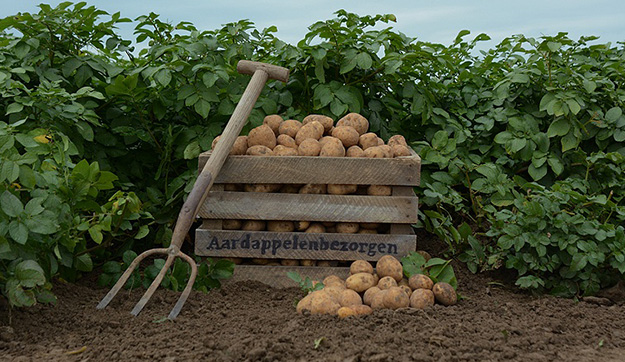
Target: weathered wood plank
(403, 171)
(275, 276)
(336, 208)
(313, 246)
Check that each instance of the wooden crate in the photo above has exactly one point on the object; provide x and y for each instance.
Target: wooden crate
(398, 210)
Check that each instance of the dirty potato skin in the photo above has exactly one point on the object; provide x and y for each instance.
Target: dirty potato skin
(389, 266)
(259, 150)
(360, 266)
(354, 151)
(348, 135)
(360, 282)
(359, 122)
(262, 135)
(420, 281)
(444, 293)
(386, 283)
(290, 127)
(287, 141)
(422, 298)
(325, 121)
(396, 298)
(273, 121)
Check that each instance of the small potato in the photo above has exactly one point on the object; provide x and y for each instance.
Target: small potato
(331, 149)
(316, 228)
(397, 140)
(232, 224)
(368, 140)
(345, 312)
(266, 188)
(360, 266)
(262, 135)
(310, 130)
(342, 189)
(233, 187)
(313, 189)
(360, 123)
(422, 298)
(290, 127)
(290, 188)
(400, 150)
(308, 262)
(420, 281)
(259, 150)
(349, 297)
(273, 121)
(325, 121)
(367, 231)
(396, 298)
(360, 282)
(281, 150)
(386, 283)
(348, 135)
(289, 262)
(309, 147)
(280, 226)
(253, 225)
(302, 225)
(318, 126)
(374, 152)
(389, 266)
(347, 227)
(377, 300)
(362, 309)
(354, 151)
(286, 140)
(369, 293)
(406, 289)
(379, 190)
(331, 280)
(444, 293)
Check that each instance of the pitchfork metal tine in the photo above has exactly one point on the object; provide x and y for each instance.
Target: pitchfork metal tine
(187, 290)
(155, 283)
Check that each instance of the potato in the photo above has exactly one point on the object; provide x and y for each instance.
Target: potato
(273, 121)
(325, 121)
(253, 225)
(281, 150)
(377, 300)
(233, 187)
(274, 263)
(406, 289)
(380, 142)
(290, 127)
(215, 142)
(424, 254)
(360, 123)
(348, 135)
(376, 278)
(316, 228)
(389, 266)
(387, 150)
(286, 140)
(290, 188)
(238, 148)
(313, 189)
(360, 266)
(369, 225)
(360, 282)
(420, 281)
(310, 130)
(328, 224)
(369, 293)
(444, 293)
(422, 298)
(349, 297)
(334, 291)
(309, 147)
(289, 262)
(266, 188)
(326, 139)
(347, 227)
(399, 151)
(333, 280)
(397, 140)
(403, 281)
(386, 283)
(304, 304)
(367, 231)
(379, 190)
(259, 150)
(362, 309)
(368, 140)
(280, 226)
(261, 135)
(374, 152)
(308, 262)
(232, 224)
(332, 149)
(302, 225)
(236, 261)
(342, 189)
(354, 151)
(396, 298)
(345, 312)
(259, 261)
(322, 303)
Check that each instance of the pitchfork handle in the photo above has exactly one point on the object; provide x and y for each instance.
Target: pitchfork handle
(260, 73)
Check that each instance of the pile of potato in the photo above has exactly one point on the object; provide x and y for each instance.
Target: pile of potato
(385, 288)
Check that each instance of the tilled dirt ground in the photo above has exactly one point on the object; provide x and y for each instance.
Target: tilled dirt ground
(249, 321)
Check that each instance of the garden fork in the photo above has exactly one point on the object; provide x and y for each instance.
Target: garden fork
(260, 72)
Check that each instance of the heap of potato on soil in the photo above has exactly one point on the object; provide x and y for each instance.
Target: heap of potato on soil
(363, 291)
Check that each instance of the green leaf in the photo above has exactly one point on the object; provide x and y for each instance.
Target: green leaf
(163, 76)
(14, 108)
(590, 86)
(30, 274)
(202, 107)
(96, 234)
(537, 173)
(10, 204)
(573, 106)
(192, 150)
(129, 256)
(83, 263)
(569, 142)
(143, 232)
(10, 170)
(560, 127)
(556, 165)
(111, 267)
(18, 232)
(613, 114)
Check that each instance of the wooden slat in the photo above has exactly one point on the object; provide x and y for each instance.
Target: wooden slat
(275, 276)
(403, 171)
(402, 228)
(312, 246)
(335, 208)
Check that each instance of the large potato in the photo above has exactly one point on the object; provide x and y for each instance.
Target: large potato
(422, 298)
(286, 140)
(290, 127)
(307, 262)
(347, 227)
(280, 226)
(238, 148)
(406, 289)
(400, 151)
(261, 135)
(334, 291)
(368, 140)
(342, 189)
(389, 266)
(332, 149)
(348, 135)
(309, 147)
(375, 152)
(360, 282)
(215, 140)
(322, 303)
(420, 281)
(386, 283)
(395, 298)
(253, 225)
(304, 304)
(354, 151)
(369, 293)
(379, 190)
(312, 130)
(231, 224)
(360, 123)
(281, 150)
(325, 121)
(317, 189)
(360, 266)
(316, 228)
(397, 140)
(289, 262)
(273, 121)
(387, 150)
(331, 280)
(444, 293)
(377, 300)
(266, 188)
(349, 297)
(259, 150)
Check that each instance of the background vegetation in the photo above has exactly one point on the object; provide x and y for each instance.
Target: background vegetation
(521, 144)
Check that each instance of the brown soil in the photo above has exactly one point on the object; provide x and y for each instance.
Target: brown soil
(252, 322)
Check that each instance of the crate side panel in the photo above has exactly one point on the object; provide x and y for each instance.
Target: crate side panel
(275, 276)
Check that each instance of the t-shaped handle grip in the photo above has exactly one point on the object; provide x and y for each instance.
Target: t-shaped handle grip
(273, 71)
